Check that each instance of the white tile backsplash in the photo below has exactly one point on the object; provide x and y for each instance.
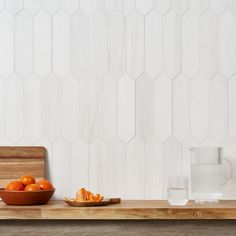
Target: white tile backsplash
(118, 90)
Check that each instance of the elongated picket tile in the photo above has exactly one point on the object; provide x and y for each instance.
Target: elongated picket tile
(14, 108)
(117, 150)
(218, 6)
(190, 43)
(144, 107)
(61, 43)
(135, 169)
(51, 107)
(2, 108)
(42, 44)
(199, 6)
(125, 6)
(98, 44)
(144, 6)
(32, 6)
(32, 109)
(163, 6)
(172, 161)
(51, 6)
(79, 43)
(208, 142)
(79, 168)
(126, 108)
(171, 44)
(227, 47)
(208, 44)
(181, 6)
(2, 4)
(43, 141)
(88, 6)
(101, 5)
(163, 107)
(6, 44)
(231, 6)
(107, 108)
(99, 167)
(218, 107)
(5, 142)
(61, 168)
(70, 108)
(199, 107)
(70, 6)
(88, 108)
(232, 108)
(110, 5)
(116, 44)
(135, 44)
(23, 43)
(153, 169)
(14, 6)
(181, 107)
(153, 43)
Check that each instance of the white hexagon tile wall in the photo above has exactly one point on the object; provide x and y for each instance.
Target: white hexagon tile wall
(118, 90)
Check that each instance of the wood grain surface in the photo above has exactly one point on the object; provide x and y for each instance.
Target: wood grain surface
(118, 228)
(127, 210)
(18, 161)
(20, 151)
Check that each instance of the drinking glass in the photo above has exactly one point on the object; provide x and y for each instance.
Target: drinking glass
(177, 192)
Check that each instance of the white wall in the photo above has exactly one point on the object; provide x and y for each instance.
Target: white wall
(118, 90)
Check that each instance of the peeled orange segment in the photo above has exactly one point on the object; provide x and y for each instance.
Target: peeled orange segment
(84, 195)
(96, 198)
(88, 193)
(81, 195)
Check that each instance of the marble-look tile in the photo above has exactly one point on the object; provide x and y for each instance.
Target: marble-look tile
(61, 44)
(135, 44)
(23, 43)
(153, 43)
(126, 108)
(6, 44)
(42, 45)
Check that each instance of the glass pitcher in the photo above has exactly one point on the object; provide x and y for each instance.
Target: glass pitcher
(208, 168)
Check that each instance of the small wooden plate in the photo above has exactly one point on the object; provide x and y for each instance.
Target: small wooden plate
(104, 202)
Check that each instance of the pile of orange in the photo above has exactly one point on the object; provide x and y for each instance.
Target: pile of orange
(84, 195)
(28, 183)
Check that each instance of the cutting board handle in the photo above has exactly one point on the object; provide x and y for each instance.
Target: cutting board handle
(115, 200)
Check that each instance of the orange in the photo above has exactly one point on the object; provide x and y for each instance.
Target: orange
(95, 198)
(32, 187)
(81, 195)
(84, 195)
(15, 186)
(27, 179)
(45, 184)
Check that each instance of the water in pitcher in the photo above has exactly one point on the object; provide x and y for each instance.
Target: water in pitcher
(206, 182)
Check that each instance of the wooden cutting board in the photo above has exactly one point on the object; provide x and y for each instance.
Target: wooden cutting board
(17, 161)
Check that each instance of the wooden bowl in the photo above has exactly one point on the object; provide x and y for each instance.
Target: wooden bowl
(20, 198)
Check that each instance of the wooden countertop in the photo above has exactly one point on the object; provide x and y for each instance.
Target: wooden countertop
(127, 210)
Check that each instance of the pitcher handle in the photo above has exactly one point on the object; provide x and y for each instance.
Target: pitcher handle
(231, 171)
